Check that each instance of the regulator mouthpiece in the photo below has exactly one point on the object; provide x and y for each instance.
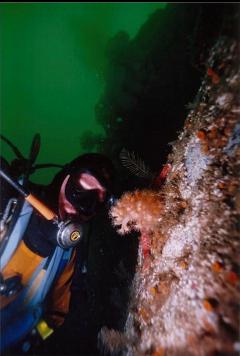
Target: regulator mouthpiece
(69, 234)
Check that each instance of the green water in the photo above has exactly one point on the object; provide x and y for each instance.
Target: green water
(52, 62)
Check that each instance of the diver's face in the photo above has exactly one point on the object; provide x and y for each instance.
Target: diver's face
(86, 189)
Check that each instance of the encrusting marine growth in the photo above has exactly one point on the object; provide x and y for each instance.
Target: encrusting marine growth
(186, 299)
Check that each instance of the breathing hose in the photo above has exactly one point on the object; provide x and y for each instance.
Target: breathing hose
(36, 203)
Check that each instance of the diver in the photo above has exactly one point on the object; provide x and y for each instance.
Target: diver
(77, 193)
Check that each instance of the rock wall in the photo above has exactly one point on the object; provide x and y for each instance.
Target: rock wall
(186, 292)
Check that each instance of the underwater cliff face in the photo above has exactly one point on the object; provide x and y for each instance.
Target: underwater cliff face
(185, 297)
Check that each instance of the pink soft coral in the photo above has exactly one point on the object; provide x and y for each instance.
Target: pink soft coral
(139, 210)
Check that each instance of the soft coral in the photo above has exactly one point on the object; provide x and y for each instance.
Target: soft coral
(140, 210)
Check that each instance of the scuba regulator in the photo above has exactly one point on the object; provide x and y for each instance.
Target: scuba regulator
(68, 233)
